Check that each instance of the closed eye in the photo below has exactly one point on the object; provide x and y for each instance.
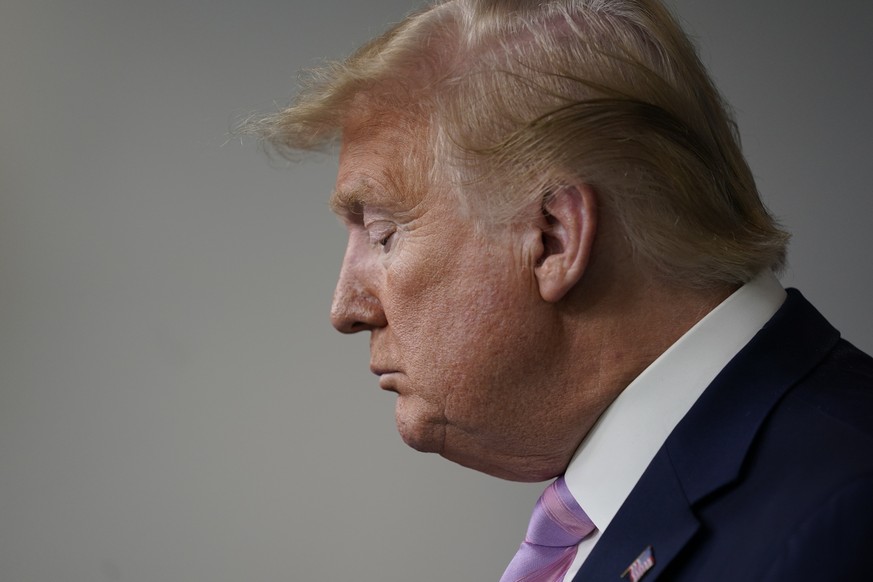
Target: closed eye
(387, 241)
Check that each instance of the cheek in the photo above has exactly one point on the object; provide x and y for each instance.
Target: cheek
(455, 318)
(462, 343)
(450, 314)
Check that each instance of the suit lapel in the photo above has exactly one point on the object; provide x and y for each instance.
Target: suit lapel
(706, 451)
(657, 516)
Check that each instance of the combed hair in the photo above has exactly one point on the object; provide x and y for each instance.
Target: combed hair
(516, 98)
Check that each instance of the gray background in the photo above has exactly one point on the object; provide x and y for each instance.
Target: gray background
(173, 403)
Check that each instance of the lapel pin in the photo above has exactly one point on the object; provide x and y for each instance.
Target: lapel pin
(641, 565)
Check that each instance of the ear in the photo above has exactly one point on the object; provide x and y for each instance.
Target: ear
(568, 237)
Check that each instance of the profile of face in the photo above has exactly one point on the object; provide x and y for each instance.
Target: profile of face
(458, 327)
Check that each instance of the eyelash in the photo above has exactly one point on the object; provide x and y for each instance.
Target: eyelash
(380, 231)
(385, 241)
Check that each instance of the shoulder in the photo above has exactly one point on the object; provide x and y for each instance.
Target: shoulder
(801, 507)
(816, 445)
(840, 388)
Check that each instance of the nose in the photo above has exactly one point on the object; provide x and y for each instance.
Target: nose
(355, 305)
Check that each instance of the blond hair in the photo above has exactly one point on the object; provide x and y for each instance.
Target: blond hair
(516, 98)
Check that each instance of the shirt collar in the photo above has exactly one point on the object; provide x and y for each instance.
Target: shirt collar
(617, 450)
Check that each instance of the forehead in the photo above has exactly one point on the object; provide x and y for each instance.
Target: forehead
(383, 162)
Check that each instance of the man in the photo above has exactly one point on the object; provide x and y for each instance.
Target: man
(566, 271)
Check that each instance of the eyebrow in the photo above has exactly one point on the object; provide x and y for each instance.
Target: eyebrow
(365, 193)
(350, 201)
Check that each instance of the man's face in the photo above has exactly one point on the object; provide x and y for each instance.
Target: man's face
(458, 329)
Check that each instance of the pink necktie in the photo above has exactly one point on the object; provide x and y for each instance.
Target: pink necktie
(557, 525)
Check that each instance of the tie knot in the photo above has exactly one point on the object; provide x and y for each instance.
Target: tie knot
(558, 520)
(557, 525)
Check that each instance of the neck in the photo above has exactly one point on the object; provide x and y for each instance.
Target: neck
(619, 326)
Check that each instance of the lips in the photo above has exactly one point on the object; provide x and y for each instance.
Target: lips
(380, 370)
(387, 377)
(389, 382)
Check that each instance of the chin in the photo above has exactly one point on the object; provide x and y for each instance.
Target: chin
(425, 437)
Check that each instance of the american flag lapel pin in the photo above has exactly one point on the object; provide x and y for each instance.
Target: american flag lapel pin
(641, 565)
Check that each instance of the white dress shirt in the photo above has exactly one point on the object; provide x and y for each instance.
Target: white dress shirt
(617, 450)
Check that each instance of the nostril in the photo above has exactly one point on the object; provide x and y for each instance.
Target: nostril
(357, 326)
(342, 324)
(348, 321)
(355, 311)
(351, 324)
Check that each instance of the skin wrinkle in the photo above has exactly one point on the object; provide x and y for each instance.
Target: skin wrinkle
(484, 303)
(492, 367)
(423, 69)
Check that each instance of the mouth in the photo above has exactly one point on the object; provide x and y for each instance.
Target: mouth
(387, 378)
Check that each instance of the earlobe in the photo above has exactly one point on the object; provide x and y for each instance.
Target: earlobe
(568, 238)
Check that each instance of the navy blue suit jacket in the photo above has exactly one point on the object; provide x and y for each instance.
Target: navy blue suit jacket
(769, 476)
